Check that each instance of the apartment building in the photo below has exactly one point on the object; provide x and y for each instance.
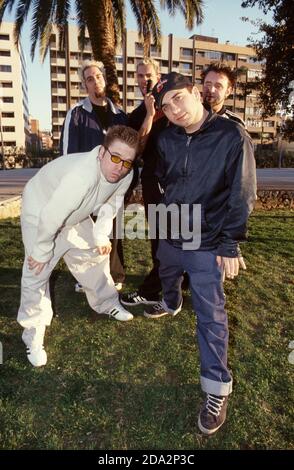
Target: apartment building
(14, 113)
(187, 56)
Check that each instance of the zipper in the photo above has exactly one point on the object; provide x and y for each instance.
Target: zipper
(189, 138)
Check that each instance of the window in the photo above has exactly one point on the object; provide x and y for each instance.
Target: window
(213, 55)
(4, 37)
(185, 66)
(228, 56)
(7, 115)
(269, 124)
(155, 51)
(5, 54)
(254, 73)
(118, 59)
(5, 84)
(139, 48)
(186, 52)
(8, 128)
(7, 99)
(10, 143)
(130, 75)
(5, 68)
(60, 69)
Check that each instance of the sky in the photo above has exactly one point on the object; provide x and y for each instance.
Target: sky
(222, 19)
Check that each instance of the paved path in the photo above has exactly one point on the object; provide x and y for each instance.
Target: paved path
(13, 181)
(275, 178)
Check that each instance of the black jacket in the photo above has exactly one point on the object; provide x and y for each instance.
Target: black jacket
(213, 167)
(150, 155)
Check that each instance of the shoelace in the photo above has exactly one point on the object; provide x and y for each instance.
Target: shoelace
(158, 306)
(133, 295)
(214, 404)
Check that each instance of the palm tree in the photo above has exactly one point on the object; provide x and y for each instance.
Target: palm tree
(104, 19)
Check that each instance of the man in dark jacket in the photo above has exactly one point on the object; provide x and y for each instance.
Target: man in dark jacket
(207, 164)
(149, 123)
(218, 84)
(84, 128)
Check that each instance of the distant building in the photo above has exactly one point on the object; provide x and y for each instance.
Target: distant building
(14, 113)
(35, 135)
(46, 140)
(187, 56)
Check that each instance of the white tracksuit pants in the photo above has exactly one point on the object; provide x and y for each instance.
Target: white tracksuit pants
(76, 246)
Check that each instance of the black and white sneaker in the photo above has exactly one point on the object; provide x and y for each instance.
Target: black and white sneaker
(212, 414)
(119, 313)
(33, 339)
(133, 298)
(158, 310)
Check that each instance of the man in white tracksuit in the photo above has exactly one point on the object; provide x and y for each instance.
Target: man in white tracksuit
(55, 221)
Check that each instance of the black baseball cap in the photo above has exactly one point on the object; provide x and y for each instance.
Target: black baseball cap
(171, 81)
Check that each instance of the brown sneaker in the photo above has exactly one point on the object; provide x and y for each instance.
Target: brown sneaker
(212, 414)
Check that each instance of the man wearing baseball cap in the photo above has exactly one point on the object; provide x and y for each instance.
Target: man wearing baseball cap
(206, 162)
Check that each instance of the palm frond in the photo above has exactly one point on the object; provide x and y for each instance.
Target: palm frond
(6, 5)
(42, 14)
(192, 10)
(119, 15)
(81, 20)
(148, 22)
(21, 14)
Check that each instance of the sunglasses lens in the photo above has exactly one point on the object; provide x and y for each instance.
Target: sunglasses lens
(115, 159)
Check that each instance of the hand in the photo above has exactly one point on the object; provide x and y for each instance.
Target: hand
(230, 266)
(150, 105)
(33, 264)
(104, 250)
(242, 264)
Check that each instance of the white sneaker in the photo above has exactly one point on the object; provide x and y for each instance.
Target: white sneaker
(118, 285)
(79, 287)
(119, 313)
(33, 339)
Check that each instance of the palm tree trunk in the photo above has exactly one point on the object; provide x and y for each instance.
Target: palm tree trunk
(101, 32)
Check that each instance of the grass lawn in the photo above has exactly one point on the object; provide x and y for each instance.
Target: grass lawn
(111, 385)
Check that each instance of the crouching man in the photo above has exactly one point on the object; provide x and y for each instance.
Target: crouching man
(55, 222)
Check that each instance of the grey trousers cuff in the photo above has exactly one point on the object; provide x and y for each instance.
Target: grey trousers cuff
(216, 388)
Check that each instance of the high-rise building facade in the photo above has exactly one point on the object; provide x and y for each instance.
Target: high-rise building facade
(14, 112)
(187, 56)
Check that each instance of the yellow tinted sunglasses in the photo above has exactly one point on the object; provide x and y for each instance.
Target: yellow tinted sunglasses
(116, 159)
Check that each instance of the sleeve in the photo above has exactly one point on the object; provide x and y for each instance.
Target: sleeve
(136, 118)
(160, 170)
(55, 213)
(69, 140)
(108, 211)
(241, 177)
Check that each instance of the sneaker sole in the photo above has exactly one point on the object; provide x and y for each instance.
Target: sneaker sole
(157, 315)
(206, 431)
(114, 317)
(132, 304)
